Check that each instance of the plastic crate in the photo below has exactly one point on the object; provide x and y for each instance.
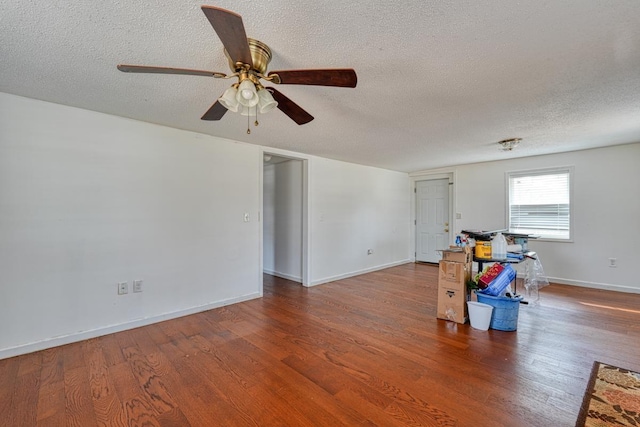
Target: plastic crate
(505, 311)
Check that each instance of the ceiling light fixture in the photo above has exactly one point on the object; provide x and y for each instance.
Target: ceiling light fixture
(509, 144)
(248, 97)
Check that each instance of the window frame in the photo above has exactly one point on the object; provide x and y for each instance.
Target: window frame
(542, 171)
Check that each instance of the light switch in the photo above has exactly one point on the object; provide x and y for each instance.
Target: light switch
(246, 217)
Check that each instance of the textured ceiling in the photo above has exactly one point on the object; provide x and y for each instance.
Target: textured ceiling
(439, 83)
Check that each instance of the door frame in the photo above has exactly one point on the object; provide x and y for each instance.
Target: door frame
(306, 237)
(428, 176)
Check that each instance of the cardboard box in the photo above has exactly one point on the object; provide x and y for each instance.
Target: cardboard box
(452, 291)
(452, 305)
(454, 275)
(457, 254)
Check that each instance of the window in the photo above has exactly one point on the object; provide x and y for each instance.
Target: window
(540, 203)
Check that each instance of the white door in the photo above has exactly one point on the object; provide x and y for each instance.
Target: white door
(432, 219)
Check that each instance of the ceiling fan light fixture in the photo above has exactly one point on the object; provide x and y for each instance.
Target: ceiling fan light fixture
(229, 99)
(248, 61)
(266, 102)
(247, 95)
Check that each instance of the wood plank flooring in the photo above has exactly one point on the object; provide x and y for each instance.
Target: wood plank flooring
(362, 351)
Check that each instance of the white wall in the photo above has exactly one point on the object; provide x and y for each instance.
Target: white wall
(88, 200)
(282, 216)
(605, 209)
(355, 208)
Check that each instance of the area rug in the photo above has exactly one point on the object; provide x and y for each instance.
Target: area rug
(612, 398)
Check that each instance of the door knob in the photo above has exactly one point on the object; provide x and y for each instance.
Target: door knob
(446, 229)
(446, 224)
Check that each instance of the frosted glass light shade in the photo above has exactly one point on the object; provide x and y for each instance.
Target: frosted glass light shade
(246, 111)
(228, 99)
(247, 95)
(266, 102)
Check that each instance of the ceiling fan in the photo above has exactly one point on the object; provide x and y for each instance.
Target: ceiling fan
(248, 60)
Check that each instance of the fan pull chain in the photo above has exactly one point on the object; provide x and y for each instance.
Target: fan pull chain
(249, 120)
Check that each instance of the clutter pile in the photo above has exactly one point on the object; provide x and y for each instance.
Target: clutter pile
(517, 251)
(494, 288)
(493, 283)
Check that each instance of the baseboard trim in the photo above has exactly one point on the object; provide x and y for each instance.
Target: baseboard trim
(357, 273)
(283, 275)
(595, 285)
(84, 335)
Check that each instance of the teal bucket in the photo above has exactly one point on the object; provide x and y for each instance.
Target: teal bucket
(505, 311)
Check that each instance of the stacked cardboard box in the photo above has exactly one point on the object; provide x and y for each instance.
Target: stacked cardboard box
(453, 294)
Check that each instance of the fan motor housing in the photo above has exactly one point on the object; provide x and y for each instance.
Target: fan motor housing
(260, 55)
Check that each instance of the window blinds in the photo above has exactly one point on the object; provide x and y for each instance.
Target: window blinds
(539, 203)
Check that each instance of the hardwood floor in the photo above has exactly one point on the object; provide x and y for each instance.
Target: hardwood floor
(362, 351)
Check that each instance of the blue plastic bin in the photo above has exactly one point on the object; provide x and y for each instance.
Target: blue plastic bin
(505, 311)
(500, 283)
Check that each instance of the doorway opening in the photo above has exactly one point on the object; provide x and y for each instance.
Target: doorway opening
(284, 217)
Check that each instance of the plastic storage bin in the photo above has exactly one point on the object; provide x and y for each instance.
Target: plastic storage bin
(505, 311)
(500, 283)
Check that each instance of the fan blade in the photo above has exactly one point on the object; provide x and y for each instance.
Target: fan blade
(342, 77)
(167, 70)
(216, 112)
(290, 108)
(230, 29)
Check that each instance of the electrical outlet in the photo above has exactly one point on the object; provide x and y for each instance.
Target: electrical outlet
(137, 286)
(613, 262)
(123, 288)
